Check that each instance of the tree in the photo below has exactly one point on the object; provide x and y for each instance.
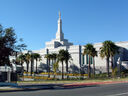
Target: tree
(54, 56)
(7, 41)
(55, 67)
(67, 58)
(32, 62)
(109, 49)
(48, 56)
(54, 62)
(27, 60)
(93, 54)
(61, 58)
(88, 48)
(37, 57)
(21, 59)
(51, 61)
(8, 45)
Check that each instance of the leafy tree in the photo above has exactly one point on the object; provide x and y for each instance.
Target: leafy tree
(19, 48)
(8, 45)
(7, 41)
(109, 49)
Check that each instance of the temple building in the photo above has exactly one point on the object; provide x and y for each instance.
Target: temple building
(79, 61)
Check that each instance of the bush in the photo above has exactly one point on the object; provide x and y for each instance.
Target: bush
(114, 72)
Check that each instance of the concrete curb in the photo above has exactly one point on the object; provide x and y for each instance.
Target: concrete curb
(95, 83)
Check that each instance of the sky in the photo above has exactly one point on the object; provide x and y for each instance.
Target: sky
(83, 21)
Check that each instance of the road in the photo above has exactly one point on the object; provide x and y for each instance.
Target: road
(95, 90)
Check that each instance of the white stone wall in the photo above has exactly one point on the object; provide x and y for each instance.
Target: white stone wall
(75, 54)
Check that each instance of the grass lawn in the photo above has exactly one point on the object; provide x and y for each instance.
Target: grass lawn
(72, 81)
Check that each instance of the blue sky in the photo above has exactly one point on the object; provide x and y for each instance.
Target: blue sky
(83, 21)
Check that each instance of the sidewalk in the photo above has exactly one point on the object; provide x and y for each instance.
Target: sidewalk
(31, 87)
(9, 87)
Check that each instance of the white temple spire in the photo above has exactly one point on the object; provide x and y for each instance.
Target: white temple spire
(59, 40)
(59, 34)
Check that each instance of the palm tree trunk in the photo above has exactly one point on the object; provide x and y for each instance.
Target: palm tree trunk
(54, 69)
(36, 66)
(22, 68)
(48, 68)
(94, 66)
(47, 64)
(52, 63)
(112, 67)
(31, 67)
(67, 69)
(62, 71)
(107, 60)
(27, 66)
(54, 76)
(89, 73)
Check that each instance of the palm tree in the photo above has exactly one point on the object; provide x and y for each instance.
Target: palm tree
(115, 50)
(16, 61)
(54, 62)
(21, 59)
(67, 58)
(27, 60)
(88, 50)
(54, 56)
(55, 67)
(93, 54)
(109, 49)
(51, 61)
(32, 62)
(48, 56)
(61, 58)
(37, 57)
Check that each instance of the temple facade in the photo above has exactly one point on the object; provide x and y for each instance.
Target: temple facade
(79, 61)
